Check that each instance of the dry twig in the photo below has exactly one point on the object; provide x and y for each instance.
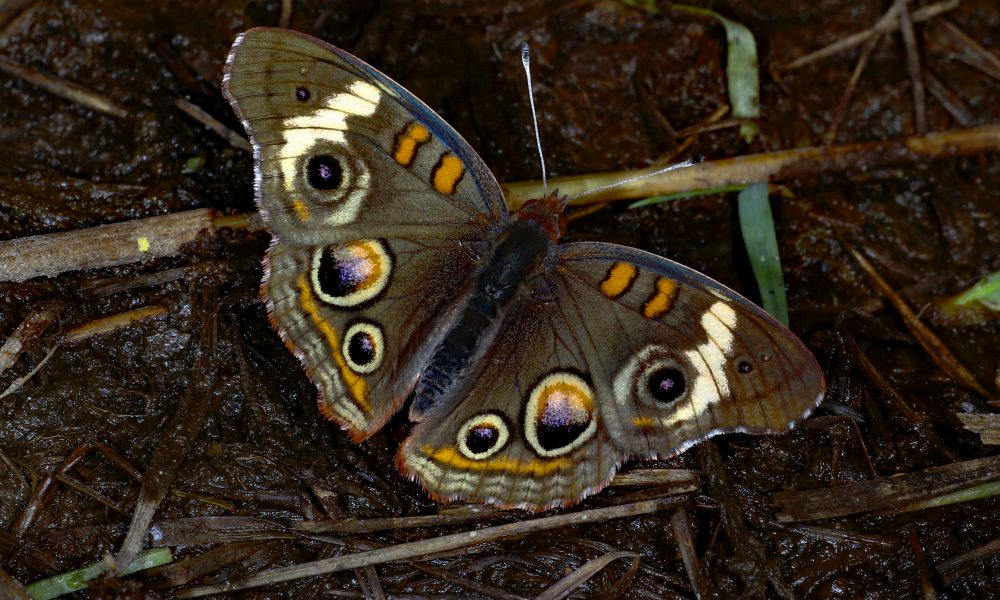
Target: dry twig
(936, 486)
(766, 166)
(178, 437)
(62, 88)
(987, 425)
(913, 64)
(198, 114)
(411, 550)
(932, 345)
(883, 26)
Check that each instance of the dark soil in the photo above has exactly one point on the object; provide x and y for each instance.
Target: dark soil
(613, 86)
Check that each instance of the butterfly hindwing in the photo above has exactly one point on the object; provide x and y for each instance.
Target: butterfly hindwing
(356, 323)
(527, 430)
(615, 353)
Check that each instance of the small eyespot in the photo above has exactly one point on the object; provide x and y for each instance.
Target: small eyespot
(666, 384)
(745, 367)
(324, 172)
(559, 414)
(655, 376)
(353, 273)
(482, 436)
(364, 347)
(302, 93)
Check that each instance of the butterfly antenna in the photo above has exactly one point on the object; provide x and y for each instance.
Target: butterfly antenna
(687, 163)
(526, 62)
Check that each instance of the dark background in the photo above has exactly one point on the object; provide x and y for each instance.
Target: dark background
(614, 84)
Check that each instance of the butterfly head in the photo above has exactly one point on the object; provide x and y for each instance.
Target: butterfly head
(547, 213)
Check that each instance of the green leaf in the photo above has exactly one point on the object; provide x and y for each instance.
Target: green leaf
(73, 581)
(742, 70)
(193, 165)
(653, 200)
(985, 292)
(757, 225)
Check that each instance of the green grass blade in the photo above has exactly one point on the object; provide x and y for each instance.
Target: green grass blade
(653, 200)
(757, 225)
(741, 69)
(74, 581)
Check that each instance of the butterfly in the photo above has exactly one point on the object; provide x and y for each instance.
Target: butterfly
(533, 369)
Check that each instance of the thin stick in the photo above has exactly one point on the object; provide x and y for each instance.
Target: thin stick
(970, 51)
(895, 494)
(767, 166)
(197, 113)
(852, 84)
(565, 586)
(114, 322)
(285, 18)
(913, 64)
(950, 568)
(922, 14)
(689, 556)
(11, 11)
(951, 101)
(73, 92)
(932, 345)
(177, 440)
(20, 381)
(39, 317)
(455, 541)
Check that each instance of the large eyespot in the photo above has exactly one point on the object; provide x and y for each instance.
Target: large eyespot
(364, 347)
(351, 274)
(323, 172)
(482, 436)
(559, 414)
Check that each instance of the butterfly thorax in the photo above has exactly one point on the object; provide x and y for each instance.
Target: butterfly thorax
(547, 213)
(518, 259)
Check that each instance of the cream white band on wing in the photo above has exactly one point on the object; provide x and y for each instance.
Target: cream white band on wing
(709, 359)
(327, 124)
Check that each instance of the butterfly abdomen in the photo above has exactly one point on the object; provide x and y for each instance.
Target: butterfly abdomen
(520, 252)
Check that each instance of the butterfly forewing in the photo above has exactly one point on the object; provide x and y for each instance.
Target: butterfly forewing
(342, 152)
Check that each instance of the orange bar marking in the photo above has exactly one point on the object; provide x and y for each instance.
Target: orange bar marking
(662, 299)
(408, 141)
(619, 279)
(356, 385)
(450, 457)
(446, 174)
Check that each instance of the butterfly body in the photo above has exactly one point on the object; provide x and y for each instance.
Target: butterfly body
(534, 368)
(514, 268)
